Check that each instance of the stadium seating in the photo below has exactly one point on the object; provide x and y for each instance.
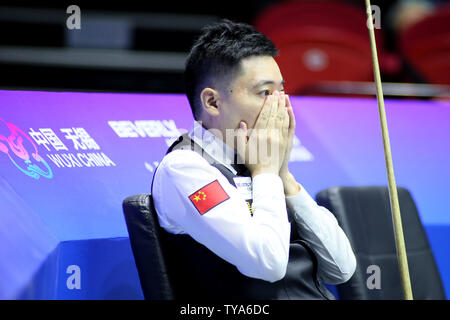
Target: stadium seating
(319, 41)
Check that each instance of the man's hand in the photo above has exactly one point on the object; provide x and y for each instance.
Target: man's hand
(264, 147)
(291, 187)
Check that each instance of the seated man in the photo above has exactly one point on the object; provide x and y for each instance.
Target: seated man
(236, 222)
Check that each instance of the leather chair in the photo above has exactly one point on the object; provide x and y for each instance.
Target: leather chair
(144, 231)
(365, 216)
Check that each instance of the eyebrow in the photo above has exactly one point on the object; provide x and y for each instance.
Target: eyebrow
(265, 82)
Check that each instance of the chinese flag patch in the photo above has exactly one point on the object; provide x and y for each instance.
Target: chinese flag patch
(208, 197)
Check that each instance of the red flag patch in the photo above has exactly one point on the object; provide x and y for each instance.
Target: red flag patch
(208, 197)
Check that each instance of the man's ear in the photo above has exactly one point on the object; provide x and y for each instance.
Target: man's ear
(210, 101)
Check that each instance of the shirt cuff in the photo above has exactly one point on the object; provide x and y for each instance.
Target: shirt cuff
(302, 204)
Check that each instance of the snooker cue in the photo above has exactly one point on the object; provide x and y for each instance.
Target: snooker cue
(393, 195)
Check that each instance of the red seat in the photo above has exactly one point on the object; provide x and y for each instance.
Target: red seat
(318, 41)
(303, 13)
(311, 55)
(426, 46)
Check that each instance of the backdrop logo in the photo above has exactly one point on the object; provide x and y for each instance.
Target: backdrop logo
(146, 129)
(22, 151)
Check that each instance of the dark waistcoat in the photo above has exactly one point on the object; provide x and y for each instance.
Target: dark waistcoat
(198, 273)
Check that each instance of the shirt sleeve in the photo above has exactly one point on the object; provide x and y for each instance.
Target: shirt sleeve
(318, 226)
(258, 246)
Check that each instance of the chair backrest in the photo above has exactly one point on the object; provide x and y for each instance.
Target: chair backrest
(143, 229)
(364, 215)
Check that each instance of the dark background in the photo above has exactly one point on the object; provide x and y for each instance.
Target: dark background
(40, 26)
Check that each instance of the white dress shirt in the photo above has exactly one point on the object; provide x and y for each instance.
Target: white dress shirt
(258, 244)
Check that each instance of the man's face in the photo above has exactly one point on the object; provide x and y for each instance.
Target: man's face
(259, 76)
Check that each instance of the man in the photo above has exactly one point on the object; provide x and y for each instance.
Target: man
(236, 222)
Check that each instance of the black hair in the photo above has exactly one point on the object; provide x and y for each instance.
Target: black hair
(217, 53)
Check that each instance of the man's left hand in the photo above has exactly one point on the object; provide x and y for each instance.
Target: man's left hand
(291, 187)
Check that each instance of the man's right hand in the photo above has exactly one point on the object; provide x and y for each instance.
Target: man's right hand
(263, 148)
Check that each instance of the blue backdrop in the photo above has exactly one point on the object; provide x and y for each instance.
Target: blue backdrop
(68, 160)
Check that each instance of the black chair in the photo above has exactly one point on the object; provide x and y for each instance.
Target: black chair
(365, 216)
(144, 231)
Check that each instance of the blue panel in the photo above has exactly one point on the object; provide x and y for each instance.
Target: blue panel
(105, 270)
(439, 238)
(25, 242)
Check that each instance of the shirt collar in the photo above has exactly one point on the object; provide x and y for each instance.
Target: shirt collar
(214, 146)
